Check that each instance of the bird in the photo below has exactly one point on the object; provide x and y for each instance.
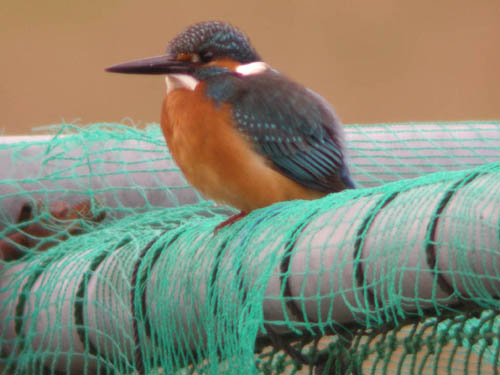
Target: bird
(241, 132)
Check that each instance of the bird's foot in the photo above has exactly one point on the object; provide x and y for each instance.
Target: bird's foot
(230, 221)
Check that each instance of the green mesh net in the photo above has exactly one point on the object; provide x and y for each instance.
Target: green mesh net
(111, 264)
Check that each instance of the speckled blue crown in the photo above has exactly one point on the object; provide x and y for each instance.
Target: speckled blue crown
(219, 38)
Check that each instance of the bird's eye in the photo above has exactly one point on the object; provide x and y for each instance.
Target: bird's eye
(206, 56)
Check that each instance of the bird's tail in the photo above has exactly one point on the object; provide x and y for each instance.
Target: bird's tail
(345, 177)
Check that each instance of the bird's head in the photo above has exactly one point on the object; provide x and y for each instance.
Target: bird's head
(205, 42)
(199, 52)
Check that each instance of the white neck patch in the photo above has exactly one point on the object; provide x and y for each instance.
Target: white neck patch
(185, 81)
(252, 68)
(180, 81)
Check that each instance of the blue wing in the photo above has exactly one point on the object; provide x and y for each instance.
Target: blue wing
(290, 125)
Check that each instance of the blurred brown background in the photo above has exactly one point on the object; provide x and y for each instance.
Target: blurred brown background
(375, 61)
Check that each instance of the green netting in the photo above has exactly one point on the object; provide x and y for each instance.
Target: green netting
(118, 269)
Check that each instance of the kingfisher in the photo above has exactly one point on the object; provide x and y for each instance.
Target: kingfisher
(241, 132)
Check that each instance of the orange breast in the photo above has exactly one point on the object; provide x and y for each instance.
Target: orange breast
(217, 159)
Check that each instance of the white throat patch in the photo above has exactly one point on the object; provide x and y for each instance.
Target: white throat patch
(180, 81)
(252, 68)
(185, 81)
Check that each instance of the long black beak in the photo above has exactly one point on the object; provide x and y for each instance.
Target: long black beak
(153, 65)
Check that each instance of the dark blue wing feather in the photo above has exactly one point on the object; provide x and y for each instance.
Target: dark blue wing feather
(290, 125)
